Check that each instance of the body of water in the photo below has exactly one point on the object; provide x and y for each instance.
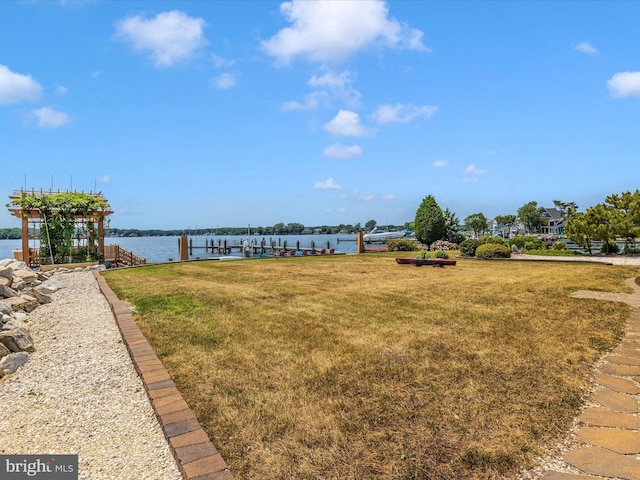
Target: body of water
(161, 249)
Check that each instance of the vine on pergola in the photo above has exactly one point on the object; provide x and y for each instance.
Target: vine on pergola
(63, 215)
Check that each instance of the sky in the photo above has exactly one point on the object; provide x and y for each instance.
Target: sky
(202, 114)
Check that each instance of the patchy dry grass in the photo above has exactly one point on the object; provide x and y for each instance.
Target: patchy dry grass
(353, 367)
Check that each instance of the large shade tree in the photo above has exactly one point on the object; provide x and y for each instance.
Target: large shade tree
(429, 222)
(476, 222)
(529, 216)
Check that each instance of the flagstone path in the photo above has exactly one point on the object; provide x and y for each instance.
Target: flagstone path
(609, 435)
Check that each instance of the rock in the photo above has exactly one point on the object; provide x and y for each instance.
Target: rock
(4, 351)
(16, 302)
(514, 249)
(5, 308)
(5, 262)
(6, 292)
(12, 362)
(28, 276)
(17, 340)
(6, 272)
(6, 282)
(42, 298)
(18, 284)
(17, 265)
(49, 287)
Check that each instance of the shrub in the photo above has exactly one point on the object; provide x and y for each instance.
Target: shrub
(469, 246)
(492, 239)
(401, 245)
(609, 247)
(443, 245)
(559, 246)
(493, 250)
(633, 251)
(441, 254)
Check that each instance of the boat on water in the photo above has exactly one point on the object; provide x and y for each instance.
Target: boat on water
(381, 236)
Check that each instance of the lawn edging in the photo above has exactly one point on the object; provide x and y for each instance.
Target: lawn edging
(195, 455)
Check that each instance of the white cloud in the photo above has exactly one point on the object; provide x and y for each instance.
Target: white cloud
(49, 118)
(440, 164)
(388, 198)
(475, 171)
(586, 47)
(16, 87)
(328, 184)
(339, 85)
(333, 31)
(338, 150)
(169, 36)
(311, 102)
(224, 81)
(400, 113)
(103, 179)
(488, 152)
(624, 84)
(61, 90)
(220, 62)
(346, 123)
(470, 180)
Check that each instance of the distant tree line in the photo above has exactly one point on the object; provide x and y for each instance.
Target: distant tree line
(10, 233)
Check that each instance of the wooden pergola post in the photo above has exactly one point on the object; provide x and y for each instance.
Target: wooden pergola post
(25, 241)
(101, 236)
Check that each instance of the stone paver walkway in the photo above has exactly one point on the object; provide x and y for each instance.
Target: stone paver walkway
(609, 435)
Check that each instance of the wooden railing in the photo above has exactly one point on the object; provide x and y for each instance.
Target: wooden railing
(114, 254)
(118, 256)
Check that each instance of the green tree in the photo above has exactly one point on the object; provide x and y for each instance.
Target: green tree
(429, 222)
(604, 220)
(452, 227)
(626, 206)
(565, 207)
(529, 216)
(581, 230)
(476, 222)
(370, 225)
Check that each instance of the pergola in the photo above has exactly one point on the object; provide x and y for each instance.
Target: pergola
(33, 220)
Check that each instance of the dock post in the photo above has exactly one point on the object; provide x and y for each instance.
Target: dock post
(360, 242)
(191, 246)
(225, 246)
(182, 247)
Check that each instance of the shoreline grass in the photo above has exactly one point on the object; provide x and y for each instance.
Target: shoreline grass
(352, 367)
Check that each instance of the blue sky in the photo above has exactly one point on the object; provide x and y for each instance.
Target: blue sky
(228, 113)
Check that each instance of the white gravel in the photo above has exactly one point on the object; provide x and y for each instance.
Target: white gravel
(80, 394)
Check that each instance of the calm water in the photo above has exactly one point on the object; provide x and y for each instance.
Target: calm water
(161, 249)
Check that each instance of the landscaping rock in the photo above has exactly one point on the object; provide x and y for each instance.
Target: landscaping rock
(6, 272)
(5, 308)
(12, 362)
(42, 298)
(4, 351)
(27, 276)
(6, 292)
(49, 287)
(16, 302)
(17, 340)
(5, 282)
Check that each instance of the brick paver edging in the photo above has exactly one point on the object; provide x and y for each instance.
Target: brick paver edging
(195, 455)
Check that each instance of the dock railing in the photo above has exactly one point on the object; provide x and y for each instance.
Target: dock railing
(113, 254)
(118, 256)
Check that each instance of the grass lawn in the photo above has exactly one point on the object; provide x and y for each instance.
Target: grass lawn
(353, 367)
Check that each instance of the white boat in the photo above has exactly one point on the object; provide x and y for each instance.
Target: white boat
(381, 236)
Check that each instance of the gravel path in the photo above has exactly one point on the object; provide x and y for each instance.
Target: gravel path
(79, 393)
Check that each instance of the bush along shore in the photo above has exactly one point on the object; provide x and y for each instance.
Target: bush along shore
(21, 291)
